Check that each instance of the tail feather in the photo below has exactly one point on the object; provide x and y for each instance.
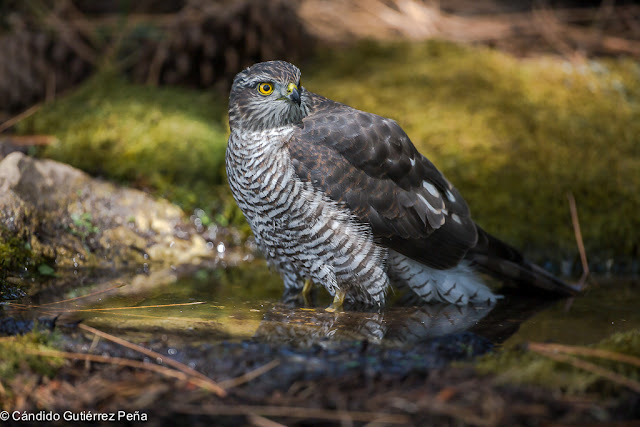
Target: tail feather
(501, 260)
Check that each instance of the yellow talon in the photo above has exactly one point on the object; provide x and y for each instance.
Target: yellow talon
(338, 301)
(306, 291)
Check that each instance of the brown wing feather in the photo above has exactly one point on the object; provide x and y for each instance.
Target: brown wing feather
(368, 163)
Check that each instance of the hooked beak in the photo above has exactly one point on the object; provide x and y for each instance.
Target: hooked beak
(293, 94)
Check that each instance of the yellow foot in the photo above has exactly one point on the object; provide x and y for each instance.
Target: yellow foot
(338, 300)
(306, 291)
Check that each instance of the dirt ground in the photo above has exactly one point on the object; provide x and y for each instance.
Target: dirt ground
(353, 383)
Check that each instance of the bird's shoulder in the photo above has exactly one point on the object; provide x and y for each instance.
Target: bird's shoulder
(368, 163)
(372, 143)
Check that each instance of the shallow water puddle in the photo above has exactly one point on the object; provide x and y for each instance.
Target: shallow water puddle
(239, 303)
(610, 305)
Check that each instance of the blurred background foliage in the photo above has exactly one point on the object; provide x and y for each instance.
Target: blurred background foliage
(518, 103)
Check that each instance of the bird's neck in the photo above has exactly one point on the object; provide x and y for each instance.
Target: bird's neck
(261, 141)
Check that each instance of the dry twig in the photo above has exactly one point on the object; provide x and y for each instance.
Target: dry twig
(19, 117)
(586, 366)
(245, 378)
(580, 243)
(124, 362)
(68, 35)
(29, 140)
(259, 421)
(118, 286)
(63, 310)
(294, 412)
(585, 351)
(155, 355)
(464, 414)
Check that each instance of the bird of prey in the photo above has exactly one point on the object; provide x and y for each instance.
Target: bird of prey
(342, 198)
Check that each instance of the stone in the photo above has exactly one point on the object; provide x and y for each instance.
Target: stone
(75, 220)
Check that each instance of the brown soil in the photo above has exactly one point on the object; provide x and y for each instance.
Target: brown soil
(308, 386)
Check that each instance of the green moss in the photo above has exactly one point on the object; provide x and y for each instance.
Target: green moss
(169, 140)
(14, 252)
(16, 357)
(17, 258)
(516, 365)
(515, 136)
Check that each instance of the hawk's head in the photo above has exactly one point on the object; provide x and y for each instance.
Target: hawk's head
(266, 95)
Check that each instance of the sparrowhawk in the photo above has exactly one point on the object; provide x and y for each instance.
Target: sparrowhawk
(342, 197)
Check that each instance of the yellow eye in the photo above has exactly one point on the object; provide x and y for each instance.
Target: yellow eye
(265, 88)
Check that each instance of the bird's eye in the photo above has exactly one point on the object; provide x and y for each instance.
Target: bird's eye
(265, 88)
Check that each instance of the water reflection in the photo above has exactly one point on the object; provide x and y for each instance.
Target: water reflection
(396, 326)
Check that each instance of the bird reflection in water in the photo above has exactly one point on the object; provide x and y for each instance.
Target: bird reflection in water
(395, 326)
(405, 323)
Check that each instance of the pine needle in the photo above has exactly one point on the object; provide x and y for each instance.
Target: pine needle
(157, 356)
(545, 351)
(245, 378)
(579, 242)
(586, 351)
(18, 118)
(73, 310)
(295, 412)
(168, 372)
(82, 296)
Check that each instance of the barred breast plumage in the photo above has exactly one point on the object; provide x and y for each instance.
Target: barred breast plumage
(342, 197)
(301, 232)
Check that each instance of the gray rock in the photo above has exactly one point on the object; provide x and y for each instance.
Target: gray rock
(76, 220)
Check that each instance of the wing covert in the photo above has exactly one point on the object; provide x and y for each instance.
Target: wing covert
(368, 163)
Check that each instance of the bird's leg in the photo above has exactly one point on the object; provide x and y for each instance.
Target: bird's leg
(338, 301)
(306, 291)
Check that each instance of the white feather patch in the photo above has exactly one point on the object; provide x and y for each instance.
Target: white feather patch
(459, 285)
